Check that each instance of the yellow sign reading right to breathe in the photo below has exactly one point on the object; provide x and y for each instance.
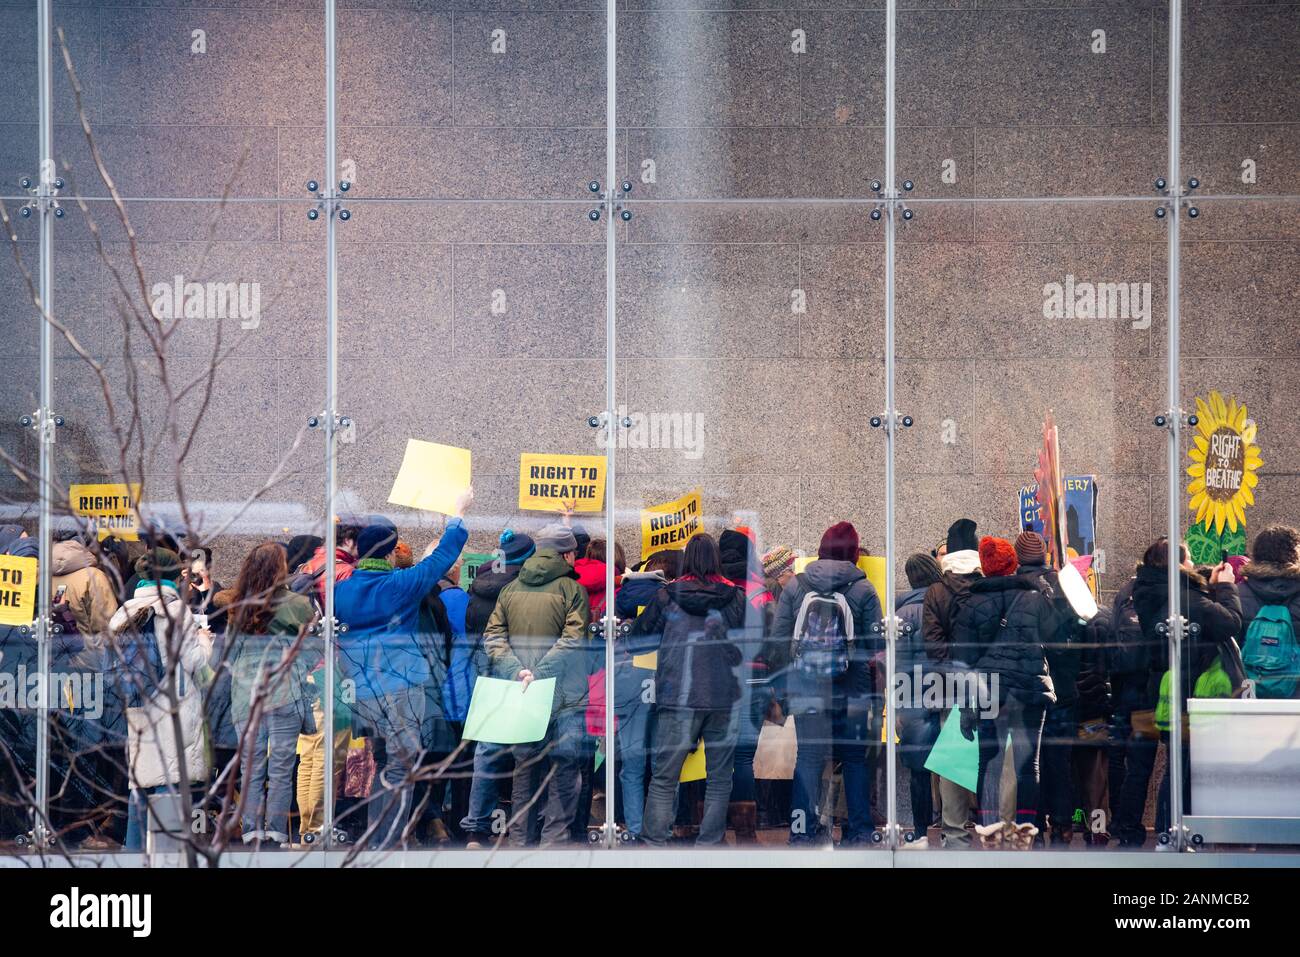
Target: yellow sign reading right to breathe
(111, 507)
(671, 525)
(548, 483)
(17, 590)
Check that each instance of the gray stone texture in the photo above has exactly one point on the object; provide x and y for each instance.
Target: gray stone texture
(472, 284)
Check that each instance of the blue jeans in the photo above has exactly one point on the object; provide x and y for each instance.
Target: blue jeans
(396, 717)
(843, 736)
(676, 732)
(492, 763)
(632, 740)
(269, 753)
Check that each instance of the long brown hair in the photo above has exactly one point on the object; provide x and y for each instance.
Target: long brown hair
(263, 572)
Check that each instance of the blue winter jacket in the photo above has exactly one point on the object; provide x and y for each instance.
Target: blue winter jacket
(381, 651)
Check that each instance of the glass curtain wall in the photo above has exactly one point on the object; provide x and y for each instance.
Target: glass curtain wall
(847, 288)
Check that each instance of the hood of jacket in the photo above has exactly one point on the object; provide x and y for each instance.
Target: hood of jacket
(965, 562)
(1273, 584)
(544, 567)
(827, 575)
(164, 600)
(70, 556)
(12, 542)
(591, 575)
(487, 583)
(1151, 589)
(8, 535)
(697, 597)
(1000, 583)
(645, 579)
(914, 597)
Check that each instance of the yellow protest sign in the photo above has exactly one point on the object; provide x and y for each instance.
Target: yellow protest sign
(548, 482)
(111, 507)
(17, 590)
(693, 769)
(671, 525)
(872, 566)
(432, 477)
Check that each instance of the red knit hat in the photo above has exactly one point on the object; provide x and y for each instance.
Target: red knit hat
(997, 556)
(839, 543)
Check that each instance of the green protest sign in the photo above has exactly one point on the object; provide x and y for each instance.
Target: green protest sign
(504, 712)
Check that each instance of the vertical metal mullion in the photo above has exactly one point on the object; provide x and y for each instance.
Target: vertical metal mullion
(44, 423)
(1176, 756)
(331, 417)
(891, 420)
(611, 395)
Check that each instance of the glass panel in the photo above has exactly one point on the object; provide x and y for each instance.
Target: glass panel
(18, 100)
(751, 359)
(19, 448)
(1239, 103)
(1238, 489)
(192, 401)
(189, 100)
(1008, 317)
(477, 104)
(1015, 103)
(492, 340)
(751, 103)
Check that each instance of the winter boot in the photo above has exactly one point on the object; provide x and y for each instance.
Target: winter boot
(991, 836)
(742, 817)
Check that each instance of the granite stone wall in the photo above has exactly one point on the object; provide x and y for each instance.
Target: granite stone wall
(750, 292)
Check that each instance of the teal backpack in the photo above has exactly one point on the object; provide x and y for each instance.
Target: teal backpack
(1271, 655)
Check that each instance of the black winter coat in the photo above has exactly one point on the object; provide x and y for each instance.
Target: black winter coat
(1002, 625)
(483, 593)
(1064, 651)
(699, 662)
(1215, 609)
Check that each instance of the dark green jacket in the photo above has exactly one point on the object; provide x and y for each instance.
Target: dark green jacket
(539, 624)
(253, 657)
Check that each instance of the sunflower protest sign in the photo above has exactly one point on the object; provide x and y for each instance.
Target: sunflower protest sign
(1224, 461)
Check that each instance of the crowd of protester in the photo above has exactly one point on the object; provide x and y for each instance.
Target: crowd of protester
(219, 689)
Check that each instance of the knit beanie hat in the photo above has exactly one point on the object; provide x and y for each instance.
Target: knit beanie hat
(402, 557)
(515, 547)
(377, 539)
(961, 536)
(922, 570)
(1030, 548)
(159, 563)
(778, 561)
(558, 537)
(734, 546)
(839, 543)
(997, 556)
(581, 539)
(300, 549)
